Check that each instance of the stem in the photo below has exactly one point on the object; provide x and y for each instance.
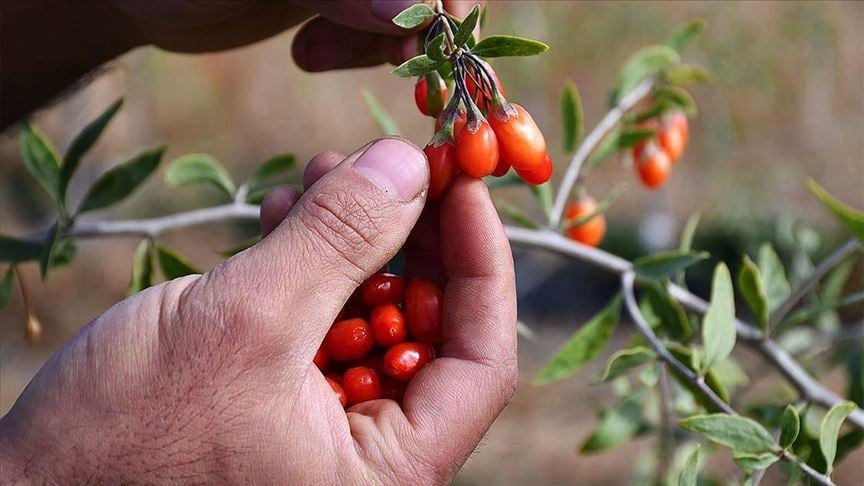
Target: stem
(811, 280)
(590, 143)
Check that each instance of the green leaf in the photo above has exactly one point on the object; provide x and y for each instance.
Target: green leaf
(416, 66)
(644, 63)
(573, 117)
(811, 313)
(730, 373)
(690, 471)
(243, 245)
(271, 168)
(48, 248)
(773, 277)
(618, 424)
(831, 287)
(585, 345)
(508, 46)
(413, 16)
(751, 463)
(386, 124)
(750, 287)
(686, 75)
(142, 267)
(63, 253)
(13, 250)
(121, 181)
(6, 286)
(466, 28)
(691, 360)
(685, 35)
(515, 214)
(83, 143)
(685, 243)
(790, 425)
(435, 48)
(741, 434)
(625, 360)
(602, 206)
(718, 326)
(852, 218)
(663, 265)
(173, 264)
(40, 159)
(831, 429)
(677, 97)
(669, 312)
(543, 195)
(194, 168)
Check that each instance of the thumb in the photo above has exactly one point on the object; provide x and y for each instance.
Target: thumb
(347, 226)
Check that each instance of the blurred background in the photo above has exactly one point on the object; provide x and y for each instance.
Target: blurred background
(787, 103)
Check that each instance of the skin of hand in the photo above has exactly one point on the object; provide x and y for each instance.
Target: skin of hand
(208, 378)
(48, 45)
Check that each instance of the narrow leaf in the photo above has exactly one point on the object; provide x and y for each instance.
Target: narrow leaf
(685, 242)
(573, 117)
(83, 142)
(173, 264)
(677, 97)
(751, 463)
(685, 35)
(466, 28)
(40, 159)
(195, 168)
(852, 218)
(750, 287)
(515, 214)
(617, 424)
(644, 63)
(386, 124)
(413, 16)
(13, 250)
(741, 434)
(48, 247)
(790, 425)
(142, 267)
(416, 66)
(663, 265)
(6, 286)
(271, 168)
(831, 429)
(121, 181)
(625, 360)
(687, 75)
(525, 331)
(718, 327)
(691, 360)
(602, 206)
(508, 46)
(773, 277)
(543, 195)
(435, 48)
(690, 471)
(811, 313)
(585, 345)
(669, 312)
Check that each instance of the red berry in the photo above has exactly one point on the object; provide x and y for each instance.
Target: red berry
(321, 360)
(472, 87)
(477, 152)
(429, 106)
(458, 123)
(339, 391)
(502, 168)
(520, 140)
(382, 288)
(361, 384)
(373, 362)
(348, 340)
(392, 389)
(388, 325)
(539, 175)
(590, 232)
(443, 168)
(653, 166)
(332, 375)
(422, 308)
(673, 135)
(404, 360)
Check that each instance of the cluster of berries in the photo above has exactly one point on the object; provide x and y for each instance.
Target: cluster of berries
(383, 336)
(487, 139)
(655, 157)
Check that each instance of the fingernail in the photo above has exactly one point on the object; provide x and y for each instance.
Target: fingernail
(387, 9)
(395, 166)
(321, 57)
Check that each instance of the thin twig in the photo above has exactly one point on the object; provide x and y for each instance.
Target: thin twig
(591, 142)
(811, 280)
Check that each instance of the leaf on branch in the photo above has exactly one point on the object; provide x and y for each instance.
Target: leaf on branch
(515, 214)
(13, 250)
(852, 218)
(690, 471)
(685, 35)
(386, 124)
(83, 142)
(271, 168)
(414, 16)
(602, 206)
(435, 48)
(173, 264)
(671, 316)
(677, 97)
(142, 267)
(690, 359)
(48, 247)
(773, 277)
(741, 434)
(751, 463)
(573, 117)
(625, 360)
(644, 63)
(416, 66)
(831, 429)
(585, 345)
(6, 286)
(543, 195)
(199, 168)
(790, 425)
(718, 326)
(730, 373)
(750, 287)
(243, 245)
(121, 181)
(508, 46)
(466, 28)
(811, 313)
(663, 265)
(618, 424)
(40, 159)
(685, 75)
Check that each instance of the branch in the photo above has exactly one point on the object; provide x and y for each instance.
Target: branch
(807, 386)
(812, 279)
(591, 142)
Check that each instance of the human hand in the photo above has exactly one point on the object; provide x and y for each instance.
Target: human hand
(209, 378)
